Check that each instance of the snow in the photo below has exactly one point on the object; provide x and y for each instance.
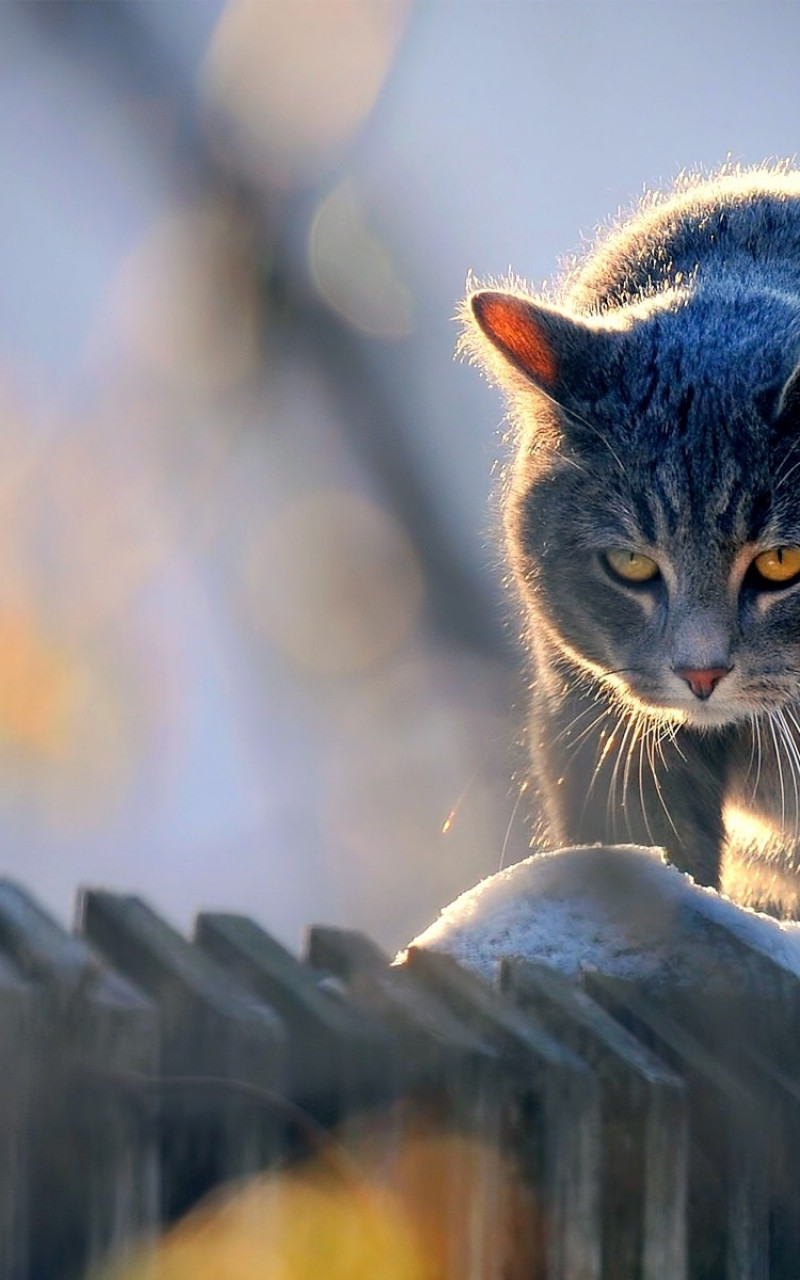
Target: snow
(620, 910)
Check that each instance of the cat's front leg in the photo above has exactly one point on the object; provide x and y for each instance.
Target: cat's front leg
(762, 862)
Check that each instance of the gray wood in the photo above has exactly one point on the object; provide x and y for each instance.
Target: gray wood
(20, 1022)
(448, 1070)
(644, 1126)
(94, 1034)
(223, 1051)
(434, 1037)
(729, 1183)
(567, 1146)
(750, 1024)
(344, 951)
(338, 1059)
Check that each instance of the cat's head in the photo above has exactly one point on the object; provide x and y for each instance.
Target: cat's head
(653, 508)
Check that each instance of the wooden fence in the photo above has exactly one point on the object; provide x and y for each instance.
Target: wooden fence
(656, 1138)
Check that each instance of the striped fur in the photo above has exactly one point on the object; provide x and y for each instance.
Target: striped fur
(655, 404)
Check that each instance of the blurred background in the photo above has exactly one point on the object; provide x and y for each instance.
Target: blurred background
(255, 652)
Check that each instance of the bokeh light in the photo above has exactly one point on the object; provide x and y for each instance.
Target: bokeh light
(423, 740)
(288, 84)
(353, 268)
(183, 309)
(334, 583)
(409, 1202)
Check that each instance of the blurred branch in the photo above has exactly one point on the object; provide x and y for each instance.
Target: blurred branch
(118, 44)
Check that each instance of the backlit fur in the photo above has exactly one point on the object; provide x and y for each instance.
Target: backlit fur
(673, 429)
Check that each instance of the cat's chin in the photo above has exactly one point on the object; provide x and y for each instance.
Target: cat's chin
(710, 717)
(709, 714)
(702, 715)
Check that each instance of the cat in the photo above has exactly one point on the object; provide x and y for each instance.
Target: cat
(652, 523)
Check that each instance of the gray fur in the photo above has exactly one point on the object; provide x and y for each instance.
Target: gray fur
(671, 428)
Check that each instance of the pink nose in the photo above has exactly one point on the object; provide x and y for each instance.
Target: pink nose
(703, 682)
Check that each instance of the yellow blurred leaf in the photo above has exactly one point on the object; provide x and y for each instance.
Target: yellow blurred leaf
(421, 1204)
(36, 686)
(290, 1227)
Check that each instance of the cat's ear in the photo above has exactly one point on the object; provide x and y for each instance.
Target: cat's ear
(548, 348)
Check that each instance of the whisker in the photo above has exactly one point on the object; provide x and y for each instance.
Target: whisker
(576, 721)
(644, 738)
(585, 732)
(511, 820)
(451, 817)
(781, 480)
(672, 733)
(577, 417)
(751, 719)
(793, 747)
(664, 731)
(759, 756)
(774, 735)
(793, 760)
(608, 746)
(611, 806)
(626, 773)
(790, 714)
(659, 792)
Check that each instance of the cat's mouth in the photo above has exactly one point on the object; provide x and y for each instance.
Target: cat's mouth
(728, 704)
(701, 715)
(710, 715)
(734, 698)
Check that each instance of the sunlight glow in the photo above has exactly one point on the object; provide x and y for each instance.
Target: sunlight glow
(354, 270)
(421, 1206)
(286, 85)
(335, 582)
(37, 687)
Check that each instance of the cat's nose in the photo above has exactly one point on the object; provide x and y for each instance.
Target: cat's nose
(704, 681)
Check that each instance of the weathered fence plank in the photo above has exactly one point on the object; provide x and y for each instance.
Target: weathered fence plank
(561, 1154)
(451, 1076)
(20, 1025)
(95, 1033)
(558, 1115)
(729, 1183)
(644, 1126)
(222, 1063)
(338, 1059)
(750, 1027)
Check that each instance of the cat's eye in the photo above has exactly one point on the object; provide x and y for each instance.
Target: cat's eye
(778, 566)
(632, 566)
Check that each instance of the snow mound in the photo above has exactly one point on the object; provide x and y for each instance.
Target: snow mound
(620, 910)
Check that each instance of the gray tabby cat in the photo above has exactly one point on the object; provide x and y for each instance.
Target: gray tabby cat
(652, 515)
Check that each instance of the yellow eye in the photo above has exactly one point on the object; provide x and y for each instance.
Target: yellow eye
(779, 564)
(634, 567)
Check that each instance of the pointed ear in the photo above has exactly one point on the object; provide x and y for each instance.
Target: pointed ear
(556, 352)
(520, 332)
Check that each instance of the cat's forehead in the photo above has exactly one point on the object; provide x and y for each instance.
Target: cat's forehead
(720, 335)
(696, 454)
(700, 372)
(720, 502)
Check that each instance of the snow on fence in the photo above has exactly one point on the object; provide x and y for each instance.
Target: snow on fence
(654, 1139)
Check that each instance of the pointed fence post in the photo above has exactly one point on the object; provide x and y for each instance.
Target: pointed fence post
(644, 1126)
(223, 1051)
(93, 1165)
(561, 1153)
(339, 1060)
(20, 1028)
